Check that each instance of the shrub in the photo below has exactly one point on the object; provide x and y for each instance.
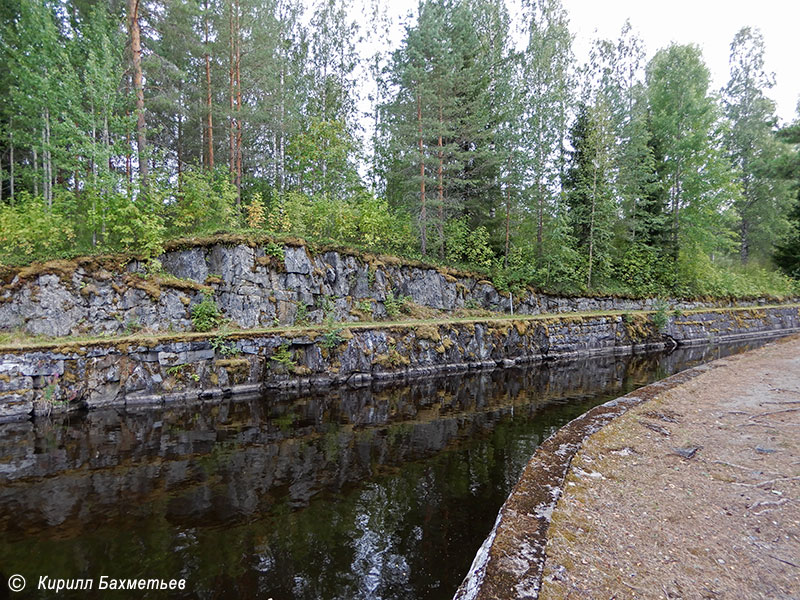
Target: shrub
(206, 315)
(395, 304)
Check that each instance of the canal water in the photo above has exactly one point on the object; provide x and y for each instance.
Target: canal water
(353, 494)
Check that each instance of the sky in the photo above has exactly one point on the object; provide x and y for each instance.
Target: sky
(711, 24)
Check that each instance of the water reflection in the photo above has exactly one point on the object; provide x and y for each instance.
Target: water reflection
(365, 493)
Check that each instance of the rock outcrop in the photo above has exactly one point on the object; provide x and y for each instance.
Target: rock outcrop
(191, 368)
(254, 285)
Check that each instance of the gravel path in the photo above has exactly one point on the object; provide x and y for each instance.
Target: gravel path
(693, 494)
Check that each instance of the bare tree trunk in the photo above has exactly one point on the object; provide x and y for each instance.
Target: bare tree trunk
(179, 150)
(238, 108)
(11, 157)
(231, 95)
(47, 162)
(423, 217)
(35, 172)
(676, 197)
(744, 248)
(282, 137)
(508, 227)
(138, 87)
(209, 109)
(591, 228)
(540, 219)
(440, 184)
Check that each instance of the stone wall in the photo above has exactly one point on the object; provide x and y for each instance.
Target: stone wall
(255, 286)
(191, 368)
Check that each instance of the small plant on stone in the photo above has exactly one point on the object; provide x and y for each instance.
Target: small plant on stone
(326, 304)
(154, 267)
(365, 305)
(133, 325)
(471, 304)
(223, 346)
(301, 316)
(283, 356)
(49, 392)
(182, 371)
(206, 315)
(395, 304)
(333, 335)
(660, 316)
(274, 250)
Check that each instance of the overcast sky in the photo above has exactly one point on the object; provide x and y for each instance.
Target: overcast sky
(711, 24)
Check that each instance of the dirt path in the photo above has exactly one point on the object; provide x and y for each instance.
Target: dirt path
(694, 494)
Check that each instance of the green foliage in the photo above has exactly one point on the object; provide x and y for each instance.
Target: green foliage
(394, 305)
(133, 227)
(651, 185)
(660, 316)
(274, 250)
(223, 346)
(699, 276)
(182, 371)
(204, 202)
(468, 246)
(206, 315)
(284, 357)
(29, 231)
(256, 212)
(643, 271)
(301, 316)
(332, 336)
(360, 219)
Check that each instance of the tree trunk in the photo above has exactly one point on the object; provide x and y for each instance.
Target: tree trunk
(47, 161)
(179, 150)
(282, 136)
(440, 185)
(591, 228)
(423, 217)
(676, 196)
(231, 95)
(744, 248)
(238, 109)
(136, 56)
(209, 109)
(35, 172)
(11, 159)
(508, 227)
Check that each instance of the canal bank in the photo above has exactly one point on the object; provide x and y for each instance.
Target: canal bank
(690, 492)
(385, 490)
(159, 370)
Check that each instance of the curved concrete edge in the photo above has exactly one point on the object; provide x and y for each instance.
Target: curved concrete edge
(510, 562)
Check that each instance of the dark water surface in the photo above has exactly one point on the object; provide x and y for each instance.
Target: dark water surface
(367, 493)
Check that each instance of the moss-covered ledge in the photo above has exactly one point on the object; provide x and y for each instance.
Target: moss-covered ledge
(40, 377)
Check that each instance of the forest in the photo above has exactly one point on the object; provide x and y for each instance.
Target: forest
(476, 141)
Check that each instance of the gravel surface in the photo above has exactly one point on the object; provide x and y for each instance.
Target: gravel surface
(693, 494)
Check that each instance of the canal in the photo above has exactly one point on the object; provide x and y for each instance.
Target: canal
(377, 492)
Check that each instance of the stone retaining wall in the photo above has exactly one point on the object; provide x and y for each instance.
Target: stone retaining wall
(254, 285)
(192, 368)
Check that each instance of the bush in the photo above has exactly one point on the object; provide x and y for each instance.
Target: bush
(206, 315)
(28, 230)
(204, 202)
